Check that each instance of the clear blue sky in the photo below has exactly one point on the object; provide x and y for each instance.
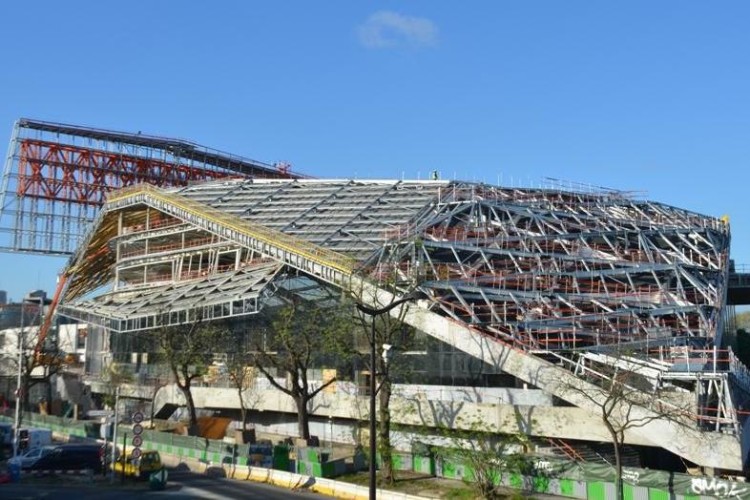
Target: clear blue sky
(639, 95)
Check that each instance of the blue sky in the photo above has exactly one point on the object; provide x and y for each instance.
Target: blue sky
(641, 96)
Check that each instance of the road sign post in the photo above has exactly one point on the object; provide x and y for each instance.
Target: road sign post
(137, 438)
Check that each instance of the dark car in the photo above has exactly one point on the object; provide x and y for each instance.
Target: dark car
(71, 457)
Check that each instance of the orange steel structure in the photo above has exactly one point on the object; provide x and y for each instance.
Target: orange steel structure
(57, 176)
(84, 176)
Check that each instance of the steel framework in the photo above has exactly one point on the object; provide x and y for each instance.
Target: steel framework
(550, 286)
(57, 176)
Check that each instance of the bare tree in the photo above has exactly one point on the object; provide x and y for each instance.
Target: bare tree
(38, 363)
(113, 377)
(189, 350)
(302, 334)
(625, 399)
(242, 375)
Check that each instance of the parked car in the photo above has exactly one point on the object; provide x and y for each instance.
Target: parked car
(140, 467)
(29, 458)
(71, 457)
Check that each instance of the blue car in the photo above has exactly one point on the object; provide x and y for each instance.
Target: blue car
(30, 457)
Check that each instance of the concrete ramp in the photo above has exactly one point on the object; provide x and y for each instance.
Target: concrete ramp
(711, 449)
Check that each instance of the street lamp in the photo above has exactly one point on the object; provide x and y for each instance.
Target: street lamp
(373, 313)
(19, 387)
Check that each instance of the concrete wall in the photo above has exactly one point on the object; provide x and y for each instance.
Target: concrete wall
(411, 405)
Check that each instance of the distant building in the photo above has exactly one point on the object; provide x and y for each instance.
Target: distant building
(10, 315)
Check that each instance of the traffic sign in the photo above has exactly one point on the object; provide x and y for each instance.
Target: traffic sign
(100, 413)
(137, 441)
(136, 453)
(138, 417)
(137, 429)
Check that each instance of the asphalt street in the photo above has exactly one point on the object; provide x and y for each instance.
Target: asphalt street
(181, 484)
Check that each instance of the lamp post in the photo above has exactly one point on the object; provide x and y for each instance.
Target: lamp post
(114, 436)
(17, 420)
(373, 313)
(20, 361)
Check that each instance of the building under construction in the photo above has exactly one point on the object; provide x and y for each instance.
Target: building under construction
(549, 287)
(529, 292)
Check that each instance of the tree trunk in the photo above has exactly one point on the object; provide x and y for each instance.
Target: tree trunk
(618, 472)
(303, 419)
(20, 399)
(384, 434)
(190, 403)
(243, 413)
(49, 396)
(616, 445)
(26, 387)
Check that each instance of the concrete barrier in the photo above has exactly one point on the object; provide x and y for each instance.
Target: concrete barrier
(284, 479)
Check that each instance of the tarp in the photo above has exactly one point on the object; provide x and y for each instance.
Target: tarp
(673, 482)
(213, 427)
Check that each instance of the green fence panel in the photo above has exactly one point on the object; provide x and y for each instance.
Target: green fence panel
(328, 469)
(567, 487)
(541, 484)
(627, 492)
(425, 465)
(449, 470)
(466, 472)
(516, 481)
(595, 491)
(656, 494)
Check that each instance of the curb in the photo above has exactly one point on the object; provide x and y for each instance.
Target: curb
(288, 480)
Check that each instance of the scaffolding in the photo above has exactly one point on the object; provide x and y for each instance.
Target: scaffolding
(56, 178)
(551, 287)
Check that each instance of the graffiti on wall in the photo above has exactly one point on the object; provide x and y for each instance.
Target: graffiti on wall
(719, 488)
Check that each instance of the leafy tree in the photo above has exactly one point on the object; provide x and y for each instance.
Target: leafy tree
(189, 350)
(302, 334)
(380, 330)
(474, 443)
(390, 331)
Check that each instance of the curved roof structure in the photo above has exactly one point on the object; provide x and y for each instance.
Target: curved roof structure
(542, 283)
(544, 268)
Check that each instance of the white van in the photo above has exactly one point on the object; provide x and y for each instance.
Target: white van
(30, 438)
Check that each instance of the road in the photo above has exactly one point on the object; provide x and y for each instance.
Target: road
(181, 484)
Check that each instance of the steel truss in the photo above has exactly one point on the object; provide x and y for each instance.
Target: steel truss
(562, 271)
(550, 282)
(56, 177)
(575, 274)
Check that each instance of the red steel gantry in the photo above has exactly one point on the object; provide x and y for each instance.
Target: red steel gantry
(57, 176)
